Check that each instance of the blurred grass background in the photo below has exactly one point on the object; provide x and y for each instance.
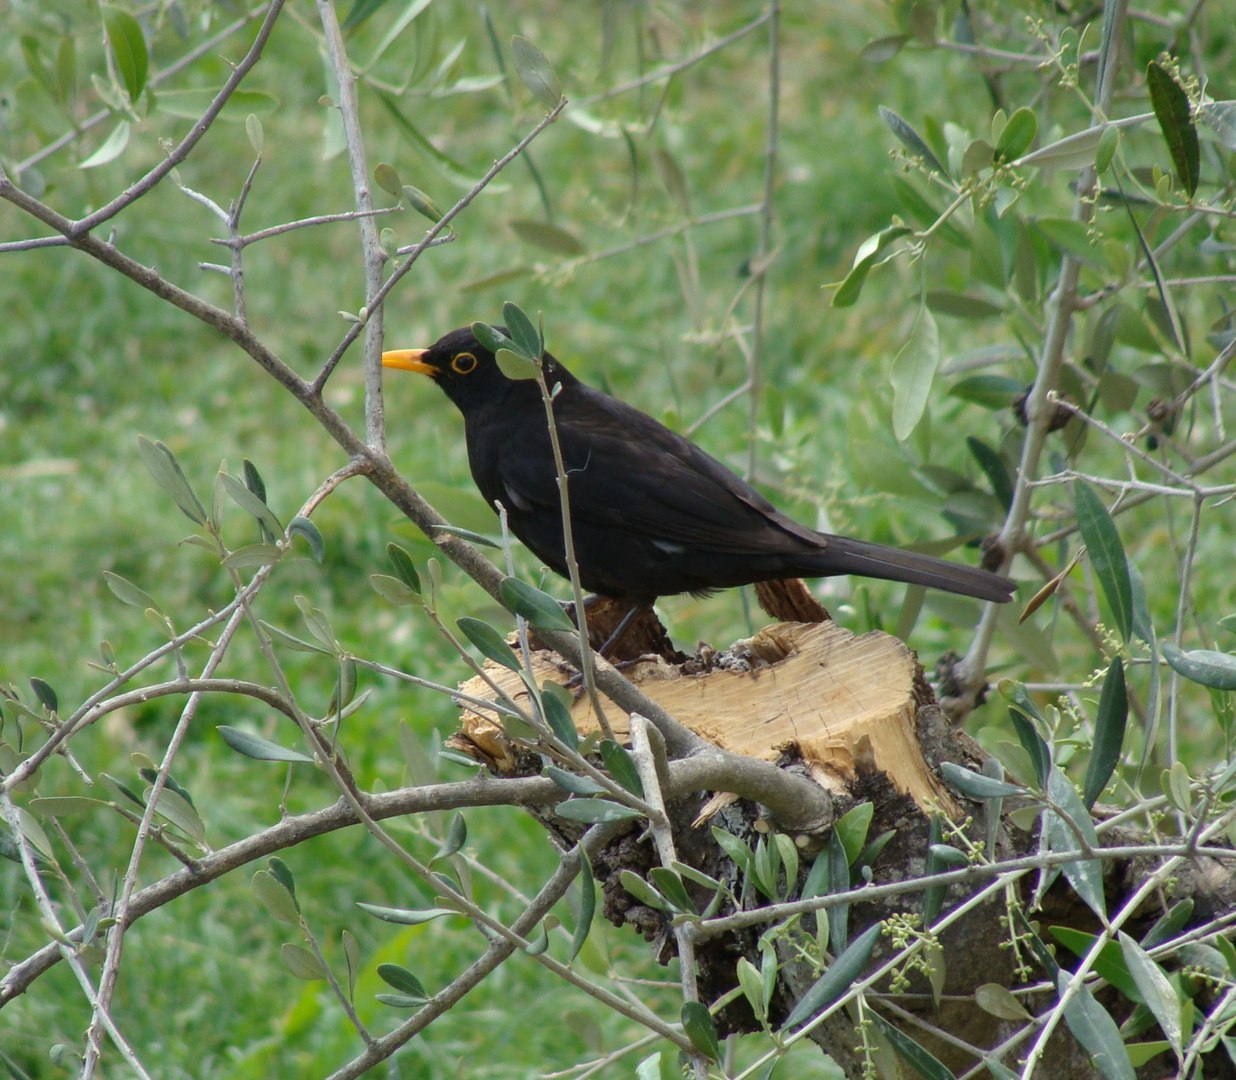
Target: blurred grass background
(90, 361)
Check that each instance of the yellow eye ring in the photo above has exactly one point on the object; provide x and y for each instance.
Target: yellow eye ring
(463, 363)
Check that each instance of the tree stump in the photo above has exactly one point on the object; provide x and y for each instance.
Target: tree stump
(855, 713)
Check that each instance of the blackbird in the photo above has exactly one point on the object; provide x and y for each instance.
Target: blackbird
(651, 513)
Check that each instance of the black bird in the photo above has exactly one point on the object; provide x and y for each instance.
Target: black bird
(651, 513)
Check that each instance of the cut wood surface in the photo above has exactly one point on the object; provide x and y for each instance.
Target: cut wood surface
(809, 691)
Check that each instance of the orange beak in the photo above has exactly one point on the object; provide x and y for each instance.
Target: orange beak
(409, 360)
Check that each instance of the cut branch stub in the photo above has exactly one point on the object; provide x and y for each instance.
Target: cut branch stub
(809, 692)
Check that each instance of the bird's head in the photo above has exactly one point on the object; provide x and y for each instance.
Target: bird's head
(465, 369)
(460, 364)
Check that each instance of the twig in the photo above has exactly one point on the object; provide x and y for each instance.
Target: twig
(429, 238)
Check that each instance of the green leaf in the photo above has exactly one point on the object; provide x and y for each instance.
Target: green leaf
(945, 855)
(536, 73)
(128, 593)
(63, 805)
(124, 35)
(491, 337)
(456, 837)
(925, 1063)
(282, 873)
(539, 608)
(1107, 556)
(123, 790)
(308, 531)
(1204, 666)
(254, 746)
(1170, 924)
(871, 852)
(1157, 991)
(1000, 1002)
(386, 176)
(736, 851)
(250, 503)
(835, 983)
(573, 782)
(1024, 715)
(179, 811)
(404, 568)
(961, 305)
(421, 203)
(44, 692)
(551, 237)
(302, 963)
(466, 534)
(864, 259)
(558, 717)
(405, 916)
(587, 904)
(399, 977)
(253, 480)
(1142, 1052)
(1109, 725)
(1076, 151)
(912, 141)
(190, 104)
(292, 641)
(275, 898)
(1177, 786)
(851, 829)
(1109, 143)
(1093, 1027)
(251, 555)
(751, 982)
(110, 149)
(669, 884)
(488, 640)
(914, 371)
(698, 1026)
(399, 1001)
(257, 139)
(516, 367)
(990, 391)
(839, 876)
(642, 891)
(164, 467)
(394, 591)
(621, 766)
(524, 334)
(149, 773)
(317, 623)
(976, 785)
(994, 468)
(1171, 109)
(1018, 134)
(595, 811)
(1085, 875)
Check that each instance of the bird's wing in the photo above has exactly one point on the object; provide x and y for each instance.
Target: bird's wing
(627, 471)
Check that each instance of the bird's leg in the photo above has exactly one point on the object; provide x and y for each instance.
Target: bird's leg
(621, 628)
(611, 642)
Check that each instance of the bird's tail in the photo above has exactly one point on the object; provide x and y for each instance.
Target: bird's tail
(848, 556)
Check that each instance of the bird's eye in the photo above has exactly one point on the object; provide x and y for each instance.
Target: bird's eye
(463, 363)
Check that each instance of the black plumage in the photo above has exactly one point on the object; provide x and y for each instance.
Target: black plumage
(652, 514)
